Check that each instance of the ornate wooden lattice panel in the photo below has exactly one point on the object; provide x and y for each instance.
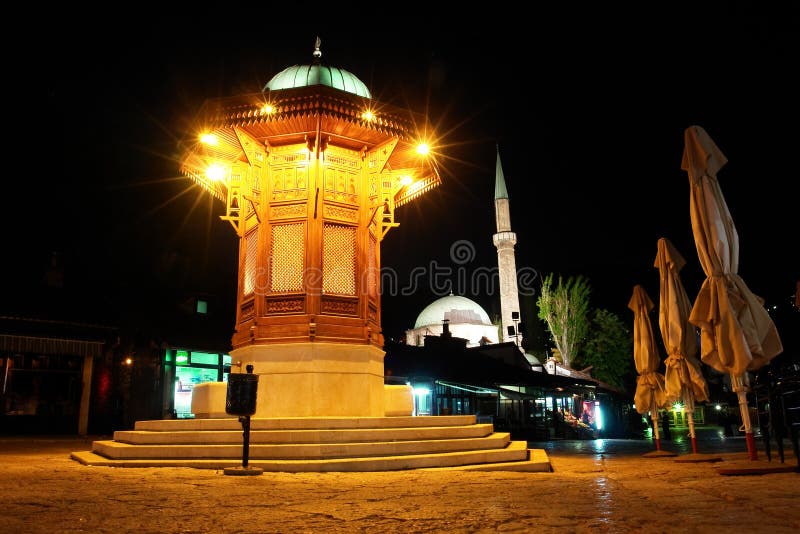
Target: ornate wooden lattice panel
(339, 259)
(340, 213)
(286, 260)
(372, 268)
(250, 250)
(285, 305)
(341, 185)
(254, 185)
(248, 310)
(339, 306)
(290, 211)
(290, 183)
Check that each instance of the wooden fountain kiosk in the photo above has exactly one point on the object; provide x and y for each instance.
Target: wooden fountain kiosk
(311, 171)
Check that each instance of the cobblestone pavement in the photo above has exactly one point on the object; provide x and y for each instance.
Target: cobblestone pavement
(597, 486)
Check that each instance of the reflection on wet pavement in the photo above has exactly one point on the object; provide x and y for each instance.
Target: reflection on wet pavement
(603, 500)
(710, 439)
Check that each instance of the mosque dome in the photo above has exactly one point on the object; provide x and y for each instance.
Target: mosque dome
(456, 309)
(316, 74)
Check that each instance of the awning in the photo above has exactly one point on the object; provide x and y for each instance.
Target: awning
(468, 388)
(46, 345)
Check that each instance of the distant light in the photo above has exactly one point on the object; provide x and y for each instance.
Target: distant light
(215, 172)
(267, 109)
(717, 407)
(677, 406)
(423, 149)
(128, 361)
(368, 116)
(598, 416)
(209, 139)
(406, 180)
(421, 392)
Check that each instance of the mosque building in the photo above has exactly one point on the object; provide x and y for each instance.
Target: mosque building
(465, 318)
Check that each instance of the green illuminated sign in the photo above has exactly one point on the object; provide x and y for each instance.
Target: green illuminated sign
(182, 357)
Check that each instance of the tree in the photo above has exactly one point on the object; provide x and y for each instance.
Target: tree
(608, 348)
(564, 308)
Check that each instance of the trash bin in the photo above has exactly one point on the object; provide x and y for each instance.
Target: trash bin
(242, 391)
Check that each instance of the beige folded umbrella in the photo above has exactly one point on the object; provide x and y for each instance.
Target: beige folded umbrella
(737, 333)
(683, 380)
(650, 394)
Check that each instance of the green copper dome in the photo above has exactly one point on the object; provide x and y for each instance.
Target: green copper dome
(305, 75)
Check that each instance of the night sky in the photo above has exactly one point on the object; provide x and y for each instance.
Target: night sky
(587, 104)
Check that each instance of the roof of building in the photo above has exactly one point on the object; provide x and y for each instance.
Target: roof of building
(456, 309)
(318, 74)
(489, 366)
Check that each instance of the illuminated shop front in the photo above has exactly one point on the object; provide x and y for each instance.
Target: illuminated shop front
(679, 417)
(185, 369)
(497, 385)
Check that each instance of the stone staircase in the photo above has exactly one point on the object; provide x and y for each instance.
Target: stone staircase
(318, 444)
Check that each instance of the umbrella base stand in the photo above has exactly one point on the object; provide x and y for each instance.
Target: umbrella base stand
(658, 454)
(695, 458)
(243, 471)
(750, 467)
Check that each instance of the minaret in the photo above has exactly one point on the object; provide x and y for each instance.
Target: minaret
(505, 240)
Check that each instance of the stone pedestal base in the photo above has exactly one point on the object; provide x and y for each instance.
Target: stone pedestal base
(315, 379)
(398, 400)
(208, 400)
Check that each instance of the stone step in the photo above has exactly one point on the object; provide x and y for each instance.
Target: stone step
(305, 423)
(315, 451)
(346, 435)
(537, 462)
(514, 456)
(321, 444)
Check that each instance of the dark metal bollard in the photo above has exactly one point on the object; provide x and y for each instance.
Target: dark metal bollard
(241, 401)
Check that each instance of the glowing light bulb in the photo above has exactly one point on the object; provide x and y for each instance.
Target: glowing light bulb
(209, 139)
(215, 172)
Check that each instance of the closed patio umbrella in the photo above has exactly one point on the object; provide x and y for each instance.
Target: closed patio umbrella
(683, 380)
(737, 333)
(650, 394)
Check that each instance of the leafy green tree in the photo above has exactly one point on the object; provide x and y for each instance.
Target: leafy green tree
(565, 310)
(534, 331)
(608, 348)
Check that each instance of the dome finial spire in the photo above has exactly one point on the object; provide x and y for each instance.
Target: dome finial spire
(317, 52)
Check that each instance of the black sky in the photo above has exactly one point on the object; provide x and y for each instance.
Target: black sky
(587, 103)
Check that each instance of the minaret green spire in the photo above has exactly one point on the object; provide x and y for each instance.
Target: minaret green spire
(500, 190)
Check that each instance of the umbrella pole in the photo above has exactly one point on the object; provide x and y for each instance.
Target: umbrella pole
(737, 382)
(689, 401)
(654, 418)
